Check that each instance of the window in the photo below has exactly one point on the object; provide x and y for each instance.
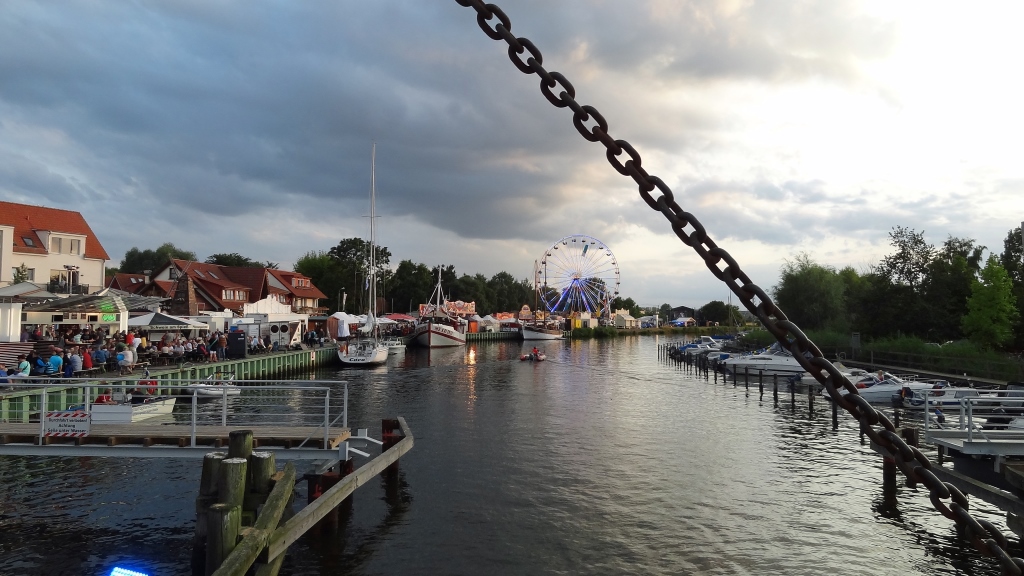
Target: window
(75, 246)
(133, 280)
(28, 242)
(55, 244)
(201, 275)
(214, 275)
(30, 273)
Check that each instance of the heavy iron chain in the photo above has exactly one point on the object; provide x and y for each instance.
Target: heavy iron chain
(560, 92)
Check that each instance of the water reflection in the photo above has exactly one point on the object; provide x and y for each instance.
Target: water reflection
(601, 460)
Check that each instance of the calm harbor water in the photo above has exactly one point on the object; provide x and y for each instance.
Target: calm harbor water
(601, 460)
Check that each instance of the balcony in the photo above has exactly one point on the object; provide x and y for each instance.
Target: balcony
(59, 288)
(311, 310)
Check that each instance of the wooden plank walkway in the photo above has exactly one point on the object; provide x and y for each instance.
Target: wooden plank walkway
(143, 434)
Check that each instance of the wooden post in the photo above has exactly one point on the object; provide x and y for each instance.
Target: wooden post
(231, 484)
(224, 524)
(207, 497)
(261, 467)
(835, 415)
(391, 434)
(889, 481)
(775, 387)
(239, 443)
(746, 375)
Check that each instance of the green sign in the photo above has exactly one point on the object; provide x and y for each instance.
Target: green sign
(109, 318)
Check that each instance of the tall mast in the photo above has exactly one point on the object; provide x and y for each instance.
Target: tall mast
(373, 239)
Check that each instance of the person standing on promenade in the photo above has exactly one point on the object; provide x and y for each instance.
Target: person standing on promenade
(222, 346)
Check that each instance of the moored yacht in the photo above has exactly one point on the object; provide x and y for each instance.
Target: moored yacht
(774, 360)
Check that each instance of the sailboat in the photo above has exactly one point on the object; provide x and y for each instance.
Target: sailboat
(437, 326)
(539, 329)
(367, 349)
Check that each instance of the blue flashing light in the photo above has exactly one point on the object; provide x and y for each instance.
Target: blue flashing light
(126, 572)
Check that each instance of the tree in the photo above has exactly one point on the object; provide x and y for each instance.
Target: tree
(138, 261)
(234, 259)
(411, 285)
(811, 295)
(718, 311)
(20, 274)
(326, 274)
(990, 309)
(665, 312)
(1012, 260)
(909, 264)
(510, 294)
(946, 287)
(474, 289)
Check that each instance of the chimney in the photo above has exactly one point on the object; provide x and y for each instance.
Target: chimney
(147, 273)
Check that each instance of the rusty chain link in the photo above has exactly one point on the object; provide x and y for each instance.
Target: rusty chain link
(557, 89)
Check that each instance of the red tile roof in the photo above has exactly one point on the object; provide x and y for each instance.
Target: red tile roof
(26, 220)
(286, 278)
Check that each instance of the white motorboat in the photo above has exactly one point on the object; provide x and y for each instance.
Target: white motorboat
(437, 327)
(394, 344)
(367, 349)
(216, 385)
(941, 397)
(879, 388)
(132, 410)
(774, 360)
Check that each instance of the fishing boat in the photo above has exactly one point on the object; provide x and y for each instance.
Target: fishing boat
(367, 349)
(438, 328)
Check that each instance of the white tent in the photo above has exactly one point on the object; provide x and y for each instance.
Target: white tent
(489, 321)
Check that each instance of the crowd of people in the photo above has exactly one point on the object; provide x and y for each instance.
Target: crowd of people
(78, 349)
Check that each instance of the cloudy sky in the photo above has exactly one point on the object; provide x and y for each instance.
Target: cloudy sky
(785, 127)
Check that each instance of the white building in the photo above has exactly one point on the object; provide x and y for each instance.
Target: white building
(57, 248)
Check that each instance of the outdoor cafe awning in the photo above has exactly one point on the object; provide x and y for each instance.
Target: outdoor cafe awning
(159, 321)
(108, 300)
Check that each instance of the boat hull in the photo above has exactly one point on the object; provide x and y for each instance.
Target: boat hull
(127, 413)
(534, 333)
(363, 354)
(434, 335)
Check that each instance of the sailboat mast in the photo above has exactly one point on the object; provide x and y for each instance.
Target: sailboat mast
(373, 230)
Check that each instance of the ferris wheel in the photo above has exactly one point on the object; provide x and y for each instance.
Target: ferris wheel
(577, 274)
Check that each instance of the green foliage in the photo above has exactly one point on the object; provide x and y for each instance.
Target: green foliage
(325, 273)
(20, 274)
(718, 311)
(990, 309)
(665, 312)
(138, 261)
(620, 303)
(909, 264)
(1012, 260)
(812, 295)
(411, 285)
(235, 259)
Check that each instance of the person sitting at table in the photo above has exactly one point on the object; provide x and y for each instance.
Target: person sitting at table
(100, 357)
(177, 350)
(76, 361)
(105, 398)
(86, 359)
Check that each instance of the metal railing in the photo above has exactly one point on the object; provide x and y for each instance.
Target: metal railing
(974, 413)
(193, 402)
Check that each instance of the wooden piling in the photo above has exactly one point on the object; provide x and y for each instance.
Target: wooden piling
(889, 481)
(262, 466)
(224, 523)
(835, 415)
(775, 388)
(231, 485)
(239, 443)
